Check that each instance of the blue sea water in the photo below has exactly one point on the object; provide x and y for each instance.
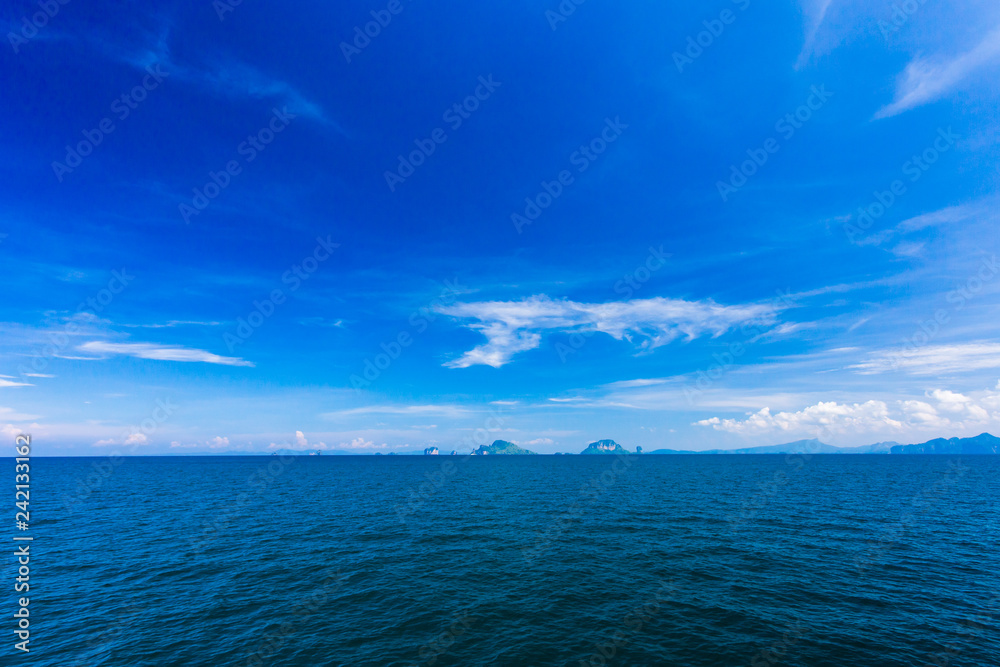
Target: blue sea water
(548, 560)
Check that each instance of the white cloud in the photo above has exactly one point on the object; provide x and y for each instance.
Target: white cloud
(959, 405)
(10, 383)
(301, 442)
(515, 326)
(871, 415)
(132, 439)
(217, 442)
(137, 439)
(940, 409)
(932, 359)
(9, 432)
(541, 441)
(356, 443)
(361, 443)
(922, 414)
(927, 79)
(161, 353)
(14, 416)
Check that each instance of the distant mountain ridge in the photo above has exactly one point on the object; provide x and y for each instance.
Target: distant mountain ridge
(812, 446)
(983, 443)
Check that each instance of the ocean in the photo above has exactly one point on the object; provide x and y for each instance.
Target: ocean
(545, 560)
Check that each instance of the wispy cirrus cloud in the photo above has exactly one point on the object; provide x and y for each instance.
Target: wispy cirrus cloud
(171, 324)
(516, 326)
(814, 12)
(927, 79)
(933, 359)
(236, 79)
(981, 211)
(945, 216)
(227, 77)
(445, 410)
(160, 353)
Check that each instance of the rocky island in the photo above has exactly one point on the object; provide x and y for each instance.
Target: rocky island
(605, 447)
(501, 447)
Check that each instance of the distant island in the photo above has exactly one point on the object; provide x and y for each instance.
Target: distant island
(502, 448)
(983, 443)
(605, 447)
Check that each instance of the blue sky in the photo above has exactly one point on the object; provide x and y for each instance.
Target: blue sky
(730, 223)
